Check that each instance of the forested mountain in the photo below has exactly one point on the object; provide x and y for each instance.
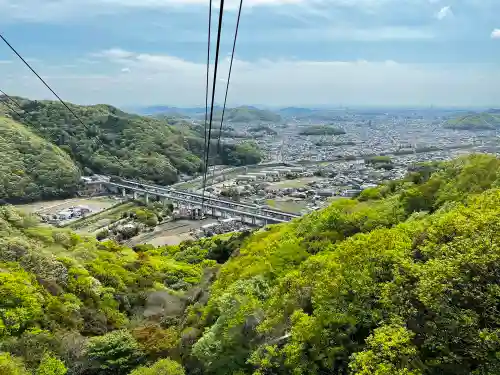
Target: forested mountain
(489, 120)
(243, 114)
(248, 115)
(118, 143)
(169, 111)
(401, 281)
(129, 145)
(243, 153)
(324, 114)
(31, 168)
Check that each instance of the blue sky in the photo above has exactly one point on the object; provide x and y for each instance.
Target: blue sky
(289, 52)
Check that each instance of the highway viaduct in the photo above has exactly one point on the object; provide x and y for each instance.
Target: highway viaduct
(249, 214)
(286, 216)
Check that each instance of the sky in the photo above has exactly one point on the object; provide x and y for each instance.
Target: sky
(133, 53)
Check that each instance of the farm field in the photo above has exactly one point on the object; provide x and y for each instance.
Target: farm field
(51, 207)
(293, 207)
(93, 223)
(171, 233)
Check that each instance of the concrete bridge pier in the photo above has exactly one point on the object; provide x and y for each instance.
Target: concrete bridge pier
(135, 195)
(124, 193)
(147, 198)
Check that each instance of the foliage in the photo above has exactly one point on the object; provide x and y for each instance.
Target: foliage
(10, 365)
(240, 154)
(51, 366)
(378, 159)
(146, 216)
(247, 114)
(371, 194)
(20, 300)
(231, 192)
(372, 293)
(162, 367)
(321, 130)
(262, 129)
(116, 352)
(113, 142)
(402, 280)
(489, 120)
(102, 234)
(31, 167)
(389, 351)
(228, 153)
(52, 280)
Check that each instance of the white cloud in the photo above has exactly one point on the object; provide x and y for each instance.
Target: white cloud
(167, 3)
(444, 12)
(495, 34)
(347, 33)
(50, 10)
(57, 10)
(383, 33)
(170, 80)
(114, 53)
(125, 70)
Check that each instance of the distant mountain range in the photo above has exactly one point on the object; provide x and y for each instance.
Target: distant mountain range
(166, 110)
(465, 119)
(238, 114)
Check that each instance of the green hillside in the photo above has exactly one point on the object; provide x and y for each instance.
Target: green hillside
(401, 281)
(31, 168)
(475, 121)
(247, 115)
(100, 308)
(245, 152)
(134, 146)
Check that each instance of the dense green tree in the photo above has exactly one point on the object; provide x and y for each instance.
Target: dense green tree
(10, 365)
(321, 130)
(117, 143)
(162, 367)
(245, 114)
(389, 351)
(31, 167)
(378, 160)
(241, 154)
(337, 310)
(33, 346)
(489, 120)
(400, 281)
(231, 192)
(116, 352)
(51, 366)
(20, 300)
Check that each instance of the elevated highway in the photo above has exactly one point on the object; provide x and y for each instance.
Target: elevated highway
(215, 200)
(247, 213)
